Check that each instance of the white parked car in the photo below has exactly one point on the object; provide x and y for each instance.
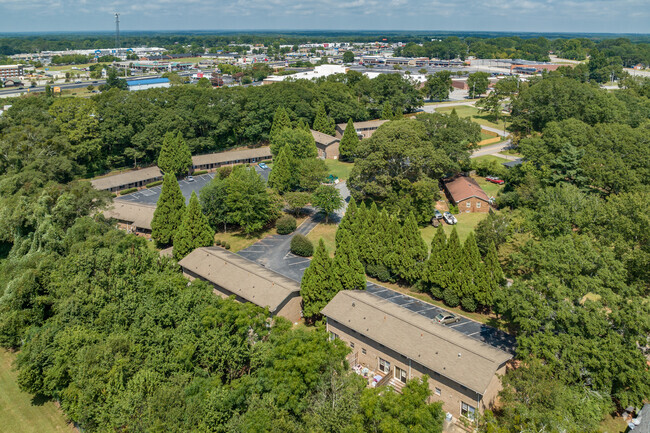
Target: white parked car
(449, 218)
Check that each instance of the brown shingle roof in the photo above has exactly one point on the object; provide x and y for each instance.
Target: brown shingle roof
(240, 276)
(361, 125)
(323, 139)
(447, 352)
(231, 155)
(139, 215)
(126, 178)
(463, 187)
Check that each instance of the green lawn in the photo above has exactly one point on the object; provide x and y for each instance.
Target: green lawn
(491, 189)
(19, 412)
(486, 136)
(466, 223)
(238, 240)
(327, 232)
(338, 168)
(490, 158)
(474, 114)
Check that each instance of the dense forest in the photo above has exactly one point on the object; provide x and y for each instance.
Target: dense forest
(112, 331)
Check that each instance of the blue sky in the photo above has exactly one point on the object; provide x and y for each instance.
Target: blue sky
(594, 16)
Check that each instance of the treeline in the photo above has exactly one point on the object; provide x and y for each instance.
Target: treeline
(622, 50)
(110, 129)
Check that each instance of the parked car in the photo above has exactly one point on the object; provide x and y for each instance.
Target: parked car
(449, 218)
(495, 179)
(190, 178)
(262, 166)
(446, 318)
(437, 214)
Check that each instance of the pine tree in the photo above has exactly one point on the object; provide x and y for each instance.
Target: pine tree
(347, 222)
(167, 154)
(389, 235)
(169, 212)
(349, 143)
(322, 122)
(492, 277)
(412, 251)
(183, 155)
(373, 236)
(387, 111)
(175, 156)
(492, 264)
(194, 232)
(316, 283)
(347, 271)
(280, 121)
(304, 125)
(282, 178)
(472, 274)
(452, 268)
(433, 275)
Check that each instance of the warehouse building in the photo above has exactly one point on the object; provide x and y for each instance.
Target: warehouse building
(232, 275)
(151, 83)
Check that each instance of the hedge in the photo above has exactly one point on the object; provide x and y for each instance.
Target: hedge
(128, 191)
(152, 184)
(199, 172)
(301, 246)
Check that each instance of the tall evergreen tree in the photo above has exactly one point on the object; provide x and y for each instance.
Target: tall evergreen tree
(433, 275)
(281, 121)
(304, 125)
(412, 251)
(282, 178)
(194, 232)
(347, 271)
(169, 212)
(316, 283)
(388, 238)
(492, 264)
(183, 155)
(472, 274)
(167, 154)
(322, 122)
(175, 156)
(452, 273)
(387, 112)
(347, 222)
(349, 143)
(492, 277)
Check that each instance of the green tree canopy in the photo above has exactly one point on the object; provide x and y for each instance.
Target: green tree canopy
(168, 216)
(349, 143)
(194, 231)
(175, 156)
(316, 285)
(323, 122)
(250, 205)
(328, 199)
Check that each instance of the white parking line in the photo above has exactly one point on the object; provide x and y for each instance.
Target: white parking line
(473, 333)
(456, 324)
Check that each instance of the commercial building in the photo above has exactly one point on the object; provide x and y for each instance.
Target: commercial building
(132, 217)
(247, 281)
(364, 129)
(129, 179)
(400, 345)
(151, 83)
(11, 71)
(213, 161)
(327, 145)
(317, 72)
(467, 194)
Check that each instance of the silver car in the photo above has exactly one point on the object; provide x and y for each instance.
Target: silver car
(446, 318)
(449, 218)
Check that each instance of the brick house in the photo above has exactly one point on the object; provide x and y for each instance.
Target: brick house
(465, 193)
(399, 344)
(327, 145)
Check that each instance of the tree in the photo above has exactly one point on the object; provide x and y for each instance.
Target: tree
(347, 271)
(346, 226)
(328, 199)
(438, 86)
(348, 57)
(387, 111)
(316, 284)
(433, 274)
(311, 173)
(281, 121)
(194, 232)
(323, 123)
(175, 156)
(214, 203)
(301, 143)
(113, 81)
(250, 205)
(283, 176)
(492, 265)
(477, 83)
(168, 216)
(296, 201)
(411, 251)
(349, 143)
(204, 83)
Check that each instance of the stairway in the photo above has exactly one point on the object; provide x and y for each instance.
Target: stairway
(396, 384)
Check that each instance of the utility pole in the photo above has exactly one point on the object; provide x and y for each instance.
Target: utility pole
(117, 30)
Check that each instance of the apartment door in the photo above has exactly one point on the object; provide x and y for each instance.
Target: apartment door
(400, 374)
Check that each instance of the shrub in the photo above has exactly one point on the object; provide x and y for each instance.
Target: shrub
(128, 191)
(226, 245)
(450, 297)
(224, 171)
(199, 172)
(285, 224)
(218, 242)
(453, 209)
(156, 183)
(113, 195)
(468, 303)
(379, 271)
(301, 246)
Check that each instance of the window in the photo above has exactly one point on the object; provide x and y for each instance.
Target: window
(333, 336)
(363, 351)
(400, 374)
(467, 411)
(438, 391)
(351, 344)
(468, 204)
(478, 205)
(384, 365)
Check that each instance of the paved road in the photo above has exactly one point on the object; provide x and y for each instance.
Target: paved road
(432, 107)
(491, 149)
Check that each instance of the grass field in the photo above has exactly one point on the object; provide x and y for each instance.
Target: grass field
(238, 240)
(491, 189)
(17, 413)
(612, 425)
(327, 232)
(486, 136)
(466, 223)
(490, 158)
(474, 114)
(340, 169)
